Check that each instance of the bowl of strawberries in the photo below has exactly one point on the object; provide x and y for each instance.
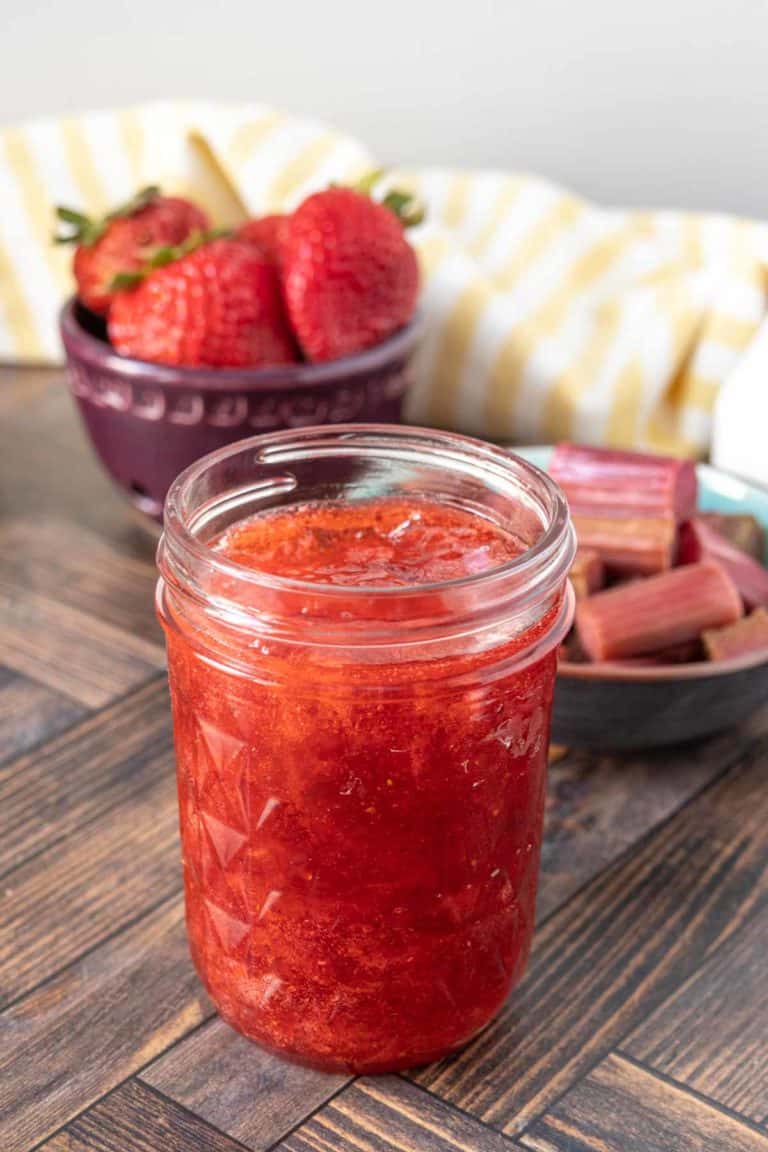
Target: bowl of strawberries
(182, 338)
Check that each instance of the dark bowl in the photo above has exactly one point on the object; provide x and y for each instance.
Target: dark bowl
(615, 707)
(607, 707)
(148, 422)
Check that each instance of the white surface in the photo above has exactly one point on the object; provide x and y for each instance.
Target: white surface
(659, 103)
(740, 426)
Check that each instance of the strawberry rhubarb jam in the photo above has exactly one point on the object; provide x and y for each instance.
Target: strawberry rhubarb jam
(361, 629)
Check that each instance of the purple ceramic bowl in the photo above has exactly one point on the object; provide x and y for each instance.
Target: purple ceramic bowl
(149, 421)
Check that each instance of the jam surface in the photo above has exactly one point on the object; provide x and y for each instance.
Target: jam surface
(390, 543)
(361, 856)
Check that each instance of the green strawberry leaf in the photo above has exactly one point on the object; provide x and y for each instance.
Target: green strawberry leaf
(125, 280)
(161, 257)
(406, 207)
(86, 230)
(143, 197)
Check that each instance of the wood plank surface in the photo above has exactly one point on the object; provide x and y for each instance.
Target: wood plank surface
(617, 950)
(386, 1114)
(72, 894)
(94, 1025)
(70, 651)
(619, 1106)
(239, 1088)
(30, 713)
(599, 805)
(640, 1025)
(133, 1118)
(590, 806)
(713, 1034)
(79, 775)
(47, 463)
(77, 568)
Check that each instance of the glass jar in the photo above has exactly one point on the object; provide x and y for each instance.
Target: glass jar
(361, 770)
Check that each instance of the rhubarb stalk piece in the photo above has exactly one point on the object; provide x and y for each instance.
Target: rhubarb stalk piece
(628, 545)
(587, 573)
(604, 482)
(626, 505)
(571, 651)
(740, 639)
(688, 653)
(647, 616)
(700, 542)
(739, 529)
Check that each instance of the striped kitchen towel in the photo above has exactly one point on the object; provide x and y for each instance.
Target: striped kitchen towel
(548, 317)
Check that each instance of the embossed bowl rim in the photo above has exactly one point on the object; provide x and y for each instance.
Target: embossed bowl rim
(87, 348)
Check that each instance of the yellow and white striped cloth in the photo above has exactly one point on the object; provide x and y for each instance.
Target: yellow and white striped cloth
(548, 316)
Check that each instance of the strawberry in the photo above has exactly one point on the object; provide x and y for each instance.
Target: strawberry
(350, 277)
(124, 240)
(266, 233)
(217, 304)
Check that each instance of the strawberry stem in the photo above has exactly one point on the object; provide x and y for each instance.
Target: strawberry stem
(366, 184)
(81, 228)
(407, 207)
(125, 280)
(86, 230)
(140, 200)
(166, 255)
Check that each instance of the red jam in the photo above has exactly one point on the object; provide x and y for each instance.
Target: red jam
(361, 836)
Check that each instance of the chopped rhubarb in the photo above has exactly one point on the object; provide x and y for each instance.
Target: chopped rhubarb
(626, 505)
(629, 545)
(687, 653)
(647, 616)
(700, 542)
(747, 635)
(602, 482)
(570, 651)
(587, 573)
(739, 529)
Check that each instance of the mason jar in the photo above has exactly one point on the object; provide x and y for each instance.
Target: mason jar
(362, 758)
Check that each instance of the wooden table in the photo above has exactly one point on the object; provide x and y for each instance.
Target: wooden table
(642, 1023)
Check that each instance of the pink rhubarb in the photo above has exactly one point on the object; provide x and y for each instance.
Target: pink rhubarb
(646, 616)
(700, 542)
(587, 573)
(604, 482)
(739, 529)
(630, 546)
(687, 653)
(740, 639)
(626, 505)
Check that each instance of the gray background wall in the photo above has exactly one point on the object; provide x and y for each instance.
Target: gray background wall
(659, 102)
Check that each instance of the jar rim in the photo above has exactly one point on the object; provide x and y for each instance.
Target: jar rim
(178, 517)
(338, 615)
